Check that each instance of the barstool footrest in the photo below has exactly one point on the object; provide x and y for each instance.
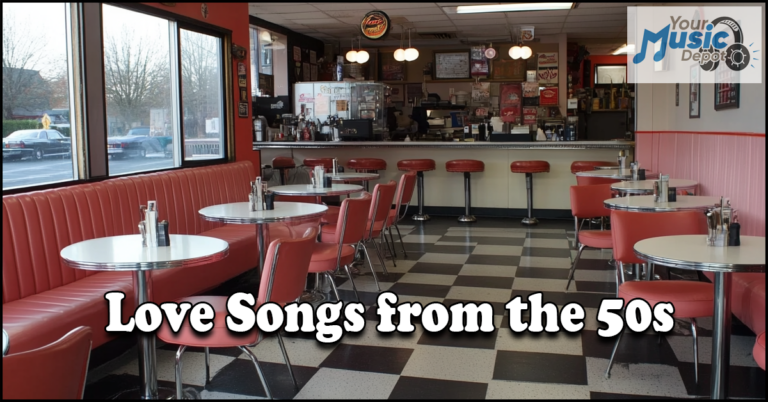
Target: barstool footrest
(467, 218)
(420, 217)
(530, 221)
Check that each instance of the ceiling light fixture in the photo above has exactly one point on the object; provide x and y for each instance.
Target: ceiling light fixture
(352, 54)
(506, 8)
(265, 36)
(519, 51)
(362, 55)
(400, 52)
(411, 53)
(625, 49)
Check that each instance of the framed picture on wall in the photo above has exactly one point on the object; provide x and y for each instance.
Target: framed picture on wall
(694, 93)
(726, 88)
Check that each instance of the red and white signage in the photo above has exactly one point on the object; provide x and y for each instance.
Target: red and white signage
(548, 96)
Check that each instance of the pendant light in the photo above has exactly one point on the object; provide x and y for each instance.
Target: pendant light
(362, 55)
(411, 53)
(400, 52)
(519, 51)
(352, 54)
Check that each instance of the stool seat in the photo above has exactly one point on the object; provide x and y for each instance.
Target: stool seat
(464, 165)
(586, 166)
(416, 165)
(367, 164)
(529, 167)
(326, 163)
(283, 162)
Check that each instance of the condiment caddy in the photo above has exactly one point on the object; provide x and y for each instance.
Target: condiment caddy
(153, 233)
(722, 225)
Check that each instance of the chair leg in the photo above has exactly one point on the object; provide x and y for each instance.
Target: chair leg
(207, 365)
(621, 274)
(287, 361)
(381, 258)
(349, 274)
(389, 247)
(613, 354)
(179, 388)
(258, 370)
(373, 272)
(392, 242)
(333, 285)
(694, 332)
(573, 267)
(401, 240)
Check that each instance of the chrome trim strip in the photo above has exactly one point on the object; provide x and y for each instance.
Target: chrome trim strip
(631, 208)
(147, 266)
(450, 145)
(699, 266)
(258, 220)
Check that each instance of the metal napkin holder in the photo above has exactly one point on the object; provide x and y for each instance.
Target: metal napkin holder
(256, 195)
(661, 189)
(153, 233)
(719, 221)
(318, 178)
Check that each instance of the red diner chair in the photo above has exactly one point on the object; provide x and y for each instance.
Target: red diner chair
(587, 203)
(282, 281)
(405, 188)
(586, 166)
(55, 371)
(758, 351)
(337, 249)
(691, 299)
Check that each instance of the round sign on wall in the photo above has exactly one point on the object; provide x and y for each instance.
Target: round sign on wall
(375, 25)
(490, 53)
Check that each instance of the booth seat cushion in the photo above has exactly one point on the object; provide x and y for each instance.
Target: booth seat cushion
(747, 299)
(758, 351)
(45, 317)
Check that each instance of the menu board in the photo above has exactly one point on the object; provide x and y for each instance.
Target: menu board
(513, 70)
(391, 69)
(453, 65)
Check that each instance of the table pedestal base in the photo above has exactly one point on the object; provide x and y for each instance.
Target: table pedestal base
(721, 336)
(162, 393)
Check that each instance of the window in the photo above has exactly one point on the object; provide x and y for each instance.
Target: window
(269, 63)
(36, 67)
(145, 114)
(611, 74)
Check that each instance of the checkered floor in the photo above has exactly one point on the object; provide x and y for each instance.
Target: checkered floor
(492, 261)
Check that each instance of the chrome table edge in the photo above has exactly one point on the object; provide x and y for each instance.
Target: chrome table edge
(147, 266)
(701, 266)
(255, 220)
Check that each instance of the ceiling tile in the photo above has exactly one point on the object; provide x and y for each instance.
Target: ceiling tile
(479, 23)
(546, 31)
(344, 6)
(592, 29)
(600, 10)
(398, 6)
(317, 21)
(282, 8)
(393, 12)
(358, 14)
(437, 17)
(587, 18)
(606, 23)
(432, 24)
(598, 5)
(535, 20)
(551, 13)
(302, 16)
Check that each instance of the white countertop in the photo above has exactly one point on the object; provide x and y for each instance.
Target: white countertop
(692, 252)
(645, 203)
(240, 212)
(125, 253)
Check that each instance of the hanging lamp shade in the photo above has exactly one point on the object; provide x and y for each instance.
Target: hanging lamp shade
(515, 52)
(352, 56)
(411, 54)
(525, 52)
(400, 54)
(362, 56)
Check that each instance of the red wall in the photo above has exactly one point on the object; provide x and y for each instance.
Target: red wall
(234, 17)
(605, 60)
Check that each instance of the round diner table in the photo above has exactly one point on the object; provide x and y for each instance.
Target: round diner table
(692, 252)
(353, 176)
(610, 167)
(126, 253)
(307, 189)
(618, 174)
(645, 187)
(240, 213)
(645, 203)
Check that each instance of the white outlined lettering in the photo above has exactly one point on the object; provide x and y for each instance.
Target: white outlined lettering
(115, 324)
(176, 317)
(237, 311)
(473, 312)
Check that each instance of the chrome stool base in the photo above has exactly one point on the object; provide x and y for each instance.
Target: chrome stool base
(312, 296)
(422, 217)
(467, 218)
(530, 221)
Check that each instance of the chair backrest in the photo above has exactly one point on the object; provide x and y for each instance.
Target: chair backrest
(587, 201)
(589, 180)
(285, 268)
(628, 228)
(404, 193)
(383, 195)
(353, 218)
(54, 371)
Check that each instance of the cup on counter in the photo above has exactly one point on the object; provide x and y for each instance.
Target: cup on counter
(269, 200)
(327, 182)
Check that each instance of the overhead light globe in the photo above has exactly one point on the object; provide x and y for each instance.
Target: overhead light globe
(352, 56)
(400, 54)
(266, 36)
(515, 52)
(525, 52)
(362, 56)
(411, 54)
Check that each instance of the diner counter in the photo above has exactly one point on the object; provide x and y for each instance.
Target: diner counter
(494, 191)
(447, 144)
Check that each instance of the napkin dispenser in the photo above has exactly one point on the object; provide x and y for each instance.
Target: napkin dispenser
(318, 179)
(661, 189)
(153, 233)
(256, 196)
(335, 166)
(719, 225)
(634, 167)
(622, 159)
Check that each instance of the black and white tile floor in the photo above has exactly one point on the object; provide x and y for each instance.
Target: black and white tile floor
(492, 261)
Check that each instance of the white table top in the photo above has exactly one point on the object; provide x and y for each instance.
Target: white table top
(6, 343)
(606, 167)
(692, 252)
(307, 189)
(644, 203)
(646, 186)
(353, 176)
(125, 253)
(240, 212)
(621, 174)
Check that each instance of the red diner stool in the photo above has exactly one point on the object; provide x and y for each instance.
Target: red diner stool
(758, 351)
(587, 203)
(465, 166)
(283, 163)
(529, 167)
(285, 272)
(585, 166)
(419, 166)
(62, 366)
(691, 299)
(326, 163)
(367, 165)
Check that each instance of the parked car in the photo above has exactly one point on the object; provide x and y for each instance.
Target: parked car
(133, 144)
(36, 144)
(165, 143)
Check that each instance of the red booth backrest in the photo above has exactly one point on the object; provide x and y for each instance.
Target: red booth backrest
(37, 225)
